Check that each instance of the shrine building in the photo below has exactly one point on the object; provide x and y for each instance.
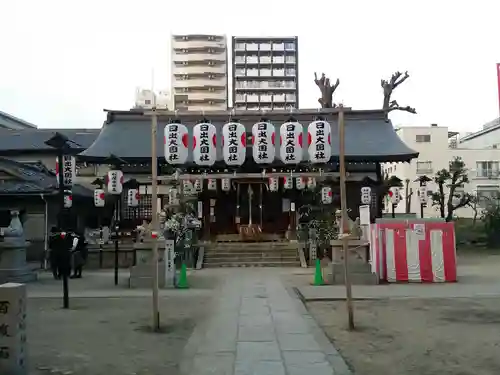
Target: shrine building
(251, 170)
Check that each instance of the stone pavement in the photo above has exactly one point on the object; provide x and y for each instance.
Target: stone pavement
(258, 328)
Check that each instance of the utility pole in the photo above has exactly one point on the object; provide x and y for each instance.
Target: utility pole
(154, 218)
(345, 225)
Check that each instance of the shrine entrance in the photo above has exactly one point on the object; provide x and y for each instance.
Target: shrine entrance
(249, 212)
(259, 212)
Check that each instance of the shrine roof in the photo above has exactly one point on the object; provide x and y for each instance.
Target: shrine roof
(14, 142)
(369, 137)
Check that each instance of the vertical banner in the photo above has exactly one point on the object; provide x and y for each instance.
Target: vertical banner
(170, 263)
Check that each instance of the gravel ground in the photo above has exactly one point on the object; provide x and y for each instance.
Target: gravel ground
(416, 336)
(110, 336)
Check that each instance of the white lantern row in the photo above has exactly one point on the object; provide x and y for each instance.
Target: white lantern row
(291, 147)
(68, 169)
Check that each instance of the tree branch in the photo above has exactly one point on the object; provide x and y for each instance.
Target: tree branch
(326, 89)
(394, 106)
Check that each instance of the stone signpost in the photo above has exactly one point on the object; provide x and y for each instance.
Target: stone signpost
(13, 352)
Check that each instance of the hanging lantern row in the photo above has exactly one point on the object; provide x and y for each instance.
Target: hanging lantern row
(234, 143)
(273, 183)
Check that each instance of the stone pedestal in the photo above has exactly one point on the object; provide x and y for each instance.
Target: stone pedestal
(13, 351)
(141, 273)
(13, 266)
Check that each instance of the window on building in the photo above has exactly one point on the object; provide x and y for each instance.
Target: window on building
(487, 195)
(239, 46)
(424, 167)
(487, 169)
(239, 72)
(290, 71)
(290, 59)
(290, 46)
(423, 138)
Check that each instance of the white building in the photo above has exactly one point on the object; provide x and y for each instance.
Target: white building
(199, 72)
(145, 98)
(437, 147)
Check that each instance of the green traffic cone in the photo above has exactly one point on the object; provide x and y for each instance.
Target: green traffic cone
(183, 283)
(318, 275)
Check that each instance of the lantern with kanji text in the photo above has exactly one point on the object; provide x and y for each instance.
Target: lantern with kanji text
(319, 142)
(300, 182)
(234, 145)
(69, 170)
(225, 184)
(68, 199)
(175, 140)
(288, 182)
(273, 184)
(326, 195)
(99, 198)
(263, 142)
(291, 142)
(366, 195)
(133, 197)
(115, 182)
(204, 144)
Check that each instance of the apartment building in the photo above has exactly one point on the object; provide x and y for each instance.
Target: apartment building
(265, 72)
(437, 146)
(199, 72)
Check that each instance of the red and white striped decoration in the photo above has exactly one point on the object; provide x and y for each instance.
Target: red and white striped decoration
(414, 251)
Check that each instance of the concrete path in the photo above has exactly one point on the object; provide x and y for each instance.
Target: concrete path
(257, 328)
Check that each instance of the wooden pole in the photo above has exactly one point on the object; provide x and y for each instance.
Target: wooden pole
(345, 223)
(154, 221)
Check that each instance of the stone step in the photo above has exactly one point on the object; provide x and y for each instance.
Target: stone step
(249, 260)
(252, 264)
(251, 253)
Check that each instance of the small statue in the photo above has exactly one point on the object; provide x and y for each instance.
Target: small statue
(14, 232)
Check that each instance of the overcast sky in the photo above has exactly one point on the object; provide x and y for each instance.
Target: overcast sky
(63, 61)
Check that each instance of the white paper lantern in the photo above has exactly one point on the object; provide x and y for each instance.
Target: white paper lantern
(204, 144)
(311, 183)
(300, 183)
(273, 184)
(99, 198)
(366, 195)
(115, 182)
(234, 144)
(212, 184)
(187, 186)
(422, 194)
(176, 143)
(68, 199)
(173, 196)
(133, 198)
(319, 142)
(394, 195)
(198, 185)
(288, 182)
(291, 143)
(263, 142)
(225, 184)
(326, 195)
(69, 170)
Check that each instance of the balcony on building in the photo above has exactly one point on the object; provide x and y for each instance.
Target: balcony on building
(198, 41)
(206, 54)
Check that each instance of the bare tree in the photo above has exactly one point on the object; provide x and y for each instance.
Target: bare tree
(391, 105)
(326, 89)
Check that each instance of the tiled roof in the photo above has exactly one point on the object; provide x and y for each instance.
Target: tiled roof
(32, 140)
(17, 120)
(368, 136)
(32, 179)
